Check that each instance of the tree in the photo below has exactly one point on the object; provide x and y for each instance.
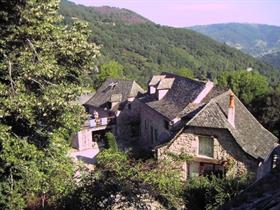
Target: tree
(42, 65)
(246, 85)
(119, 180)
(111, 69)
(266, 110)
(185, 72)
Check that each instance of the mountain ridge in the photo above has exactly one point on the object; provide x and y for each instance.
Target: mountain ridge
(146, 48)
(255, 39)
(106, 13)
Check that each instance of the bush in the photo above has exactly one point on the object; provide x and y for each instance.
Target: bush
(119, 180)
(111, 141)
(211, 192)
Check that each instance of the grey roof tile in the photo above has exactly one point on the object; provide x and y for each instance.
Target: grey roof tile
(253, 138)
(165, 83)
(183, 92)
(113, 88)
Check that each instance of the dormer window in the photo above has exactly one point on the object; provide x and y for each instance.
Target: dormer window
(206, 146)
(108, 105)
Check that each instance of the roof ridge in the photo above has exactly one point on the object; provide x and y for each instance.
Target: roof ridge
(182, 77)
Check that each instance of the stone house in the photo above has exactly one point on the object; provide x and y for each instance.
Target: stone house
(180, 116)
(111, 108)
(209, 123)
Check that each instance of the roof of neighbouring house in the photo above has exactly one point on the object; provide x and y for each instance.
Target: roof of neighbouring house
(182, 92)
(252, 137)
(116, 90)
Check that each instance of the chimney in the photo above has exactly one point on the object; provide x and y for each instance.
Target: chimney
(231, 110)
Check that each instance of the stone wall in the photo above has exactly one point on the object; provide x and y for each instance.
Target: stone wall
(82, 140)
(128, 121)
(151, 120)
(226, 151)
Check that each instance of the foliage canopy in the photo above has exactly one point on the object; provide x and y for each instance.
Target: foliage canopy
(42, 65)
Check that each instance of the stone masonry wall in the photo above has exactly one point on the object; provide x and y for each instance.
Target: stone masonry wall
(151, 119)
(237, 162)
(128, 121)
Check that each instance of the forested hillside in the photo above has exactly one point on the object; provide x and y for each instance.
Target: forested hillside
(273, 59)
(144, 48)
(255, 39)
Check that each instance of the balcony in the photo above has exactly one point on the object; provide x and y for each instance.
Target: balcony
(100, 122)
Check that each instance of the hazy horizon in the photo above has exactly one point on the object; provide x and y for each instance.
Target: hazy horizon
(180, 13)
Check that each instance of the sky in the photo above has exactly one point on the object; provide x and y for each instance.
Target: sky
(183, 13)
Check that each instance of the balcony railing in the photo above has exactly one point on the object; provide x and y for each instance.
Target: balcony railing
(104, 121)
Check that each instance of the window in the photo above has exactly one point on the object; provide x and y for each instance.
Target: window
(206, 146)
(166, 124)
(108, 105)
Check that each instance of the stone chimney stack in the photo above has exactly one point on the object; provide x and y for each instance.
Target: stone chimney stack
(231, 110)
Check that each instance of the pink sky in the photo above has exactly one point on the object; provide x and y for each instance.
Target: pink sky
(180, 13)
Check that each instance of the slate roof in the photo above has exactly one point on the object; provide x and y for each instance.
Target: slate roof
(165, 83)
(155, 79)
(182, 92)
(116, 97)
(114, 89)
(251, 136)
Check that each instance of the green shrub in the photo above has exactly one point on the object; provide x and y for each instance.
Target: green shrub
(111, 141)
(211, 192)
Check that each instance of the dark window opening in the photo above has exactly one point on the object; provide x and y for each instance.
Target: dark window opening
(211, 169)
(134, 130)
(108, 105)
(166, 124)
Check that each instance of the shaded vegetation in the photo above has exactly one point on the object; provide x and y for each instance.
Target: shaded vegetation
(266, 109)
(211, 192)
